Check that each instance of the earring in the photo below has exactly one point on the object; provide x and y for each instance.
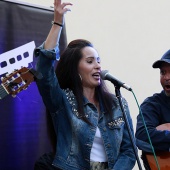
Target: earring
(80, 77)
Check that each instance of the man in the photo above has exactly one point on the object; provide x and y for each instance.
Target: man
(155, 115)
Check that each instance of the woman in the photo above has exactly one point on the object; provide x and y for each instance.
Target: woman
(89, 125)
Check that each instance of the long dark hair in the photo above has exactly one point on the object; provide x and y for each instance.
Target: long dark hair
(68, 76)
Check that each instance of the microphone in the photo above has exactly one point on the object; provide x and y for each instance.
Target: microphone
(105, 75)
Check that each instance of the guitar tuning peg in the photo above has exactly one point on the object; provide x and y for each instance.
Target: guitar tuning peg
(13, 96)
(2, 78)
(25, 89)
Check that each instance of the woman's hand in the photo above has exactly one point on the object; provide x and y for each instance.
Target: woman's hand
(59, 10)
(54, 34)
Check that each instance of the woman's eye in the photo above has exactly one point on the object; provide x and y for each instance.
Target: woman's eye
(89, 61)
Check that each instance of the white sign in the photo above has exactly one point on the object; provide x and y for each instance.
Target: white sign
(17, 58)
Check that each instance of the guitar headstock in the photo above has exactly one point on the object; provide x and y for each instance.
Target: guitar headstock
(15, 82)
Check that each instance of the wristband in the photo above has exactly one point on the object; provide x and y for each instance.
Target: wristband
(56, 23)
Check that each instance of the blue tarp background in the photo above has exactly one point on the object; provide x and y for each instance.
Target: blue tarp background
(24, 134)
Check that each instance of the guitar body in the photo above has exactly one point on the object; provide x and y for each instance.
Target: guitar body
(162, 157)
(163, 160)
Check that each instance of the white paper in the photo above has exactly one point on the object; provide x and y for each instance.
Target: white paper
(13, 62)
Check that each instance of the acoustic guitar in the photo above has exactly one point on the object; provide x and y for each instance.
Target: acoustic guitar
(16, 82)
(162, 157)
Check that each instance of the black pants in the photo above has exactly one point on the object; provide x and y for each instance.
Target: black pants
(45, 162)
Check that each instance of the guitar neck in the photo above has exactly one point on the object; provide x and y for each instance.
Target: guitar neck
(3, 91)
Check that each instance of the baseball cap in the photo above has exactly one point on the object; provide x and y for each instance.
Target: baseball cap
(165, 58)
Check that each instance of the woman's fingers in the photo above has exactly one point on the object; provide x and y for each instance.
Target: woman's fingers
(65, 4)
(61, 7)
(57, 2)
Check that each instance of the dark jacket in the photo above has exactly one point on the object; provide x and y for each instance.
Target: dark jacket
(156, 111)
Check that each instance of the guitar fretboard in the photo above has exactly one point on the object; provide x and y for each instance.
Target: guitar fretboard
(3, 92)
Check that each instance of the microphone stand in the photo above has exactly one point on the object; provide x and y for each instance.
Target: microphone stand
(119, 97)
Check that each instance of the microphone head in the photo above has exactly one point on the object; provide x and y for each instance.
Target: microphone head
(103, 74)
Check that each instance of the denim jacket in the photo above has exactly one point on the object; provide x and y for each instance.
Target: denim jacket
(74, 136)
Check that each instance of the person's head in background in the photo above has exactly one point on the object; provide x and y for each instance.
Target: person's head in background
(164, 65)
